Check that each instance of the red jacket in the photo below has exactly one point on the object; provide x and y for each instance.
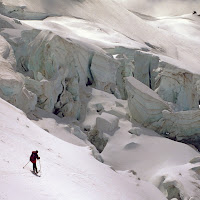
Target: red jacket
(34, 156)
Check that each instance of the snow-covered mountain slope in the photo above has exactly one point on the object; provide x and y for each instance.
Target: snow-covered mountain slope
(119, 20)
(186, 25)
(160, 7)
(94, 78)
(67, 171)
(87, 31)
(161, 161)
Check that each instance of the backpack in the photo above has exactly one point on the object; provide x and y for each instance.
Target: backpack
(32, 157)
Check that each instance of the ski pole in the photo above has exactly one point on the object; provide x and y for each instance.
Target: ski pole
(40, 165)
(26, 164)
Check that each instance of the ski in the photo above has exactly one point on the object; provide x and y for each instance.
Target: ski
(36, 174)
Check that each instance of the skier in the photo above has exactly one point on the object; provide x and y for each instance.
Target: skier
(33, 158)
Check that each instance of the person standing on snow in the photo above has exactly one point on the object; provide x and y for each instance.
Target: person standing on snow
(33, 158)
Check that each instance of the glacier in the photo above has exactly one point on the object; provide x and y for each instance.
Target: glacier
(112, 95)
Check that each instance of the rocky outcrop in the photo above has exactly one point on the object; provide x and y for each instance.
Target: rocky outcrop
(144, 104)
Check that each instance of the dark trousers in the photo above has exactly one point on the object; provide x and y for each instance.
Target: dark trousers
(35, 167)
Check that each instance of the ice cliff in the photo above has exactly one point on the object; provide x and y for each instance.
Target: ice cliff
(95, 70)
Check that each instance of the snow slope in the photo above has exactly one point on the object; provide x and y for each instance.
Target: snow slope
(148, 152)
(119, 20)
(131, 153)
(186, 25)
(88, 21)
(67, 171)
(87, 31)
(161, 7)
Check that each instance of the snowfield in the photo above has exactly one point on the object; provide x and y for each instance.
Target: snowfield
(67, 171)
(109, 97)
